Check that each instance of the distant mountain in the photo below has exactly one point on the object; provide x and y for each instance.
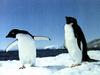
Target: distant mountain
(54, 47)
(94, 44)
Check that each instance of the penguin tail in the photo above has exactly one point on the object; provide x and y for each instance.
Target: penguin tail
(41, 38)
(91, 60)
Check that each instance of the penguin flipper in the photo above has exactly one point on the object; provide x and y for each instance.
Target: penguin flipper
(41, 38)
(11, 45)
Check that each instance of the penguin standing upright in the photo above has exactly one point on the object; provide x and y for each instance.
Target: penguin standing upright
(75, 41)
(71, 45)
(26, 45)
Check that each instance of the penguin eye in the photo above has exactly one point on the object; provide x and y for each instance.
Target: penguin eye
(13, 33)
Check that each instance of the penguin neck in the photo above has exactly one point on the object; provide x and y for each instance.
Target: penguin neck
(21, 36)
(68, 27)
(69, 31)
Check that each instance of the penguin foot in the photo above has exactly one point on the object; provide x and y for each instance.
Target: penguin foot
(23, 67)
(32, 65)
(74, 65)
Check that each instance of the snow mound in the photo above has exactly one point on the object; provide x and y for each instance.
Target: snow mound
(58, 65)
(94, 54)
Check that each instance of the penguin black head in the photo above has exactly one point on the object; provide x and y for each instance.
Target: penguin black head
(71, 20)
(14, 32)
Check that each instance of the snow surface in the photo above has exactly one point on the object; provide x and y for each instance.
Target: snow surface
(94, 54)
(58, 65)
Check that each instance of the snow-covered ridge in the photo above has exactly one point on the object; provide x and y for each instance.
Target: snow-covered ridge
(54, 47)
(94, 44)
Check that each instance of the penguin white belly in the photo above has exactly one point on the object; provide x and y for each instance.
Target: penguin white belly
(71, 45)
(27, 49)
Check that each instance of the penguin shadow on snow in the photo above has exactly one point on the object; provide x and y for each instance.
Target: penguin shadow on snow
(26, 46)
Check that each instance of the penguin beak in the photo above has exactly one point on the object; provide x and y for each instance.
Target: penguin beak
(7, 36)
(10, 36)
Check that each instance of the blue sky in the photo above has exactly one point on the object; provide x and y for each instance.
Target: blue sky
(47, 18)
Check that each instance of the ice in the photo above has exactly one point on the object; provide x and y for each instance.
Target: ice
(58, 65)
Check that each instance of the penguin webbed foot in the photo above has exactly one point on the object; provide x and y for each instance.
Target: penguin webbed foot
(23, 67)
(33, 65)
(74, 65)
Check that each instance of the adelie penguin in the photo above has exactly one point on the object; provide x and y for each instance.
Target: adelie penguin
(26, 45)
(75, 41)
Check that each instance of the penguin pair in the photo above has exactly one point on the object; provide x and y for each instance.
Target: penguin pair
(75, 42)
(26, 46)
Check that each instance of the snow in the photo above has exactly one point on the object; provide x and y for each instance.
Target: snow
(58, 65)
(54, 47)
(94, 54)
